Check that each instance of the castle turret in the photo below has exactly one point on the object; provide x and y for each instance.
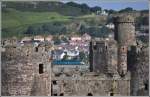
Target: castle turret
(125, 36)
(125, 30)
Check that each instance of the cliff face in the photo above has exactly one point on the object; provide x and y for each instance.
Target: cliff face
(20, 74)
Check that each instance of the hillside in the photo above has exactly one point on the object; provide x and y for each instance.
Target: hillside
(17, 17)
(14, 21)
(13, 18)
(68, 9)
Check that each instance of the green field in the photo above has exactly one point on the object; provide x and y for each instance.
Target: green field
(14, 22)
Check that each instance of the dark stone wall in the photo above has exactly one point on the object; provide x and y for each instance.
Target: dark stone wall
(20, 72)
(138, 64)
(97, 87)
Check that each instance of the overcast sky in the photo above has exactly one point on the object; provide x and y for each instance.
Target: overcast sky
(114, 4)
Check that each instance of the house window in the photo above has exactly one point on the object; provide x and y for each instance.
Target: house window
(41, 69)
(89, 94)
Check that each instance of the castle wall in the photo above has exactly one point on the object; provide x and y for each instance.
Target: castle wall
(95, 87)
(104, 56)
(139, 67)
(20, 71)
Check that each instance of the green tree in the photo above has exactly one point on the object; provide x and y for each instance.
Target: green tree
(31, 30)
(128, 9)
(82, 56)
(96, 8)
(111, 11)
(82, 29)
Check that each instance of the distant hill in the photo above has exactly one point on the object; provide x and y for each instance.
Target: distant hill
(69, 9)
(15, 22)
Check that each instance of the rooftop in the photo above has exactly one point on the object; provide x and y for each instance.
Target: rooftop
(66, 62)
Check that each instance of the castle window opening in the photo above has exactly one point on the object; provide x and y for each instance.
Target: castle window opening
(41, 69)
(61, 94)
(54, 82)
(36, 49)
(146, 86)
(57, 74)
(55, 94)
(106, 47)
(111, 94)
(64, 84)
(89, 94)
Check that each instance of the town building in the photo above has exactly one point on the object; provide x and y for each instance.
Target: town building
(39, 38)
(49, 38)
(110, 26)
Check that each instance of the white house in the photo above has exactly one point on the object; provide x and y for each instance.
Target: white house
(49, 38)
(39, 38)
(103, 12)
(110, 26)
(76, 38)
(26, 39)
(86, 37)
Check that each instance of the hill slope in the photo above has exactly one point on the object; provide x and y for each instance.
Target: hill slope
(14, 22)
(68, 9)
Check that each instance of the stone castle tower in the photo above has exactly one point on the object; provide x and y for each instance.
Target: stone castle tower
(25, 70)
(122, 60)
(103, 56)
(125, 30)
(125, 36)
